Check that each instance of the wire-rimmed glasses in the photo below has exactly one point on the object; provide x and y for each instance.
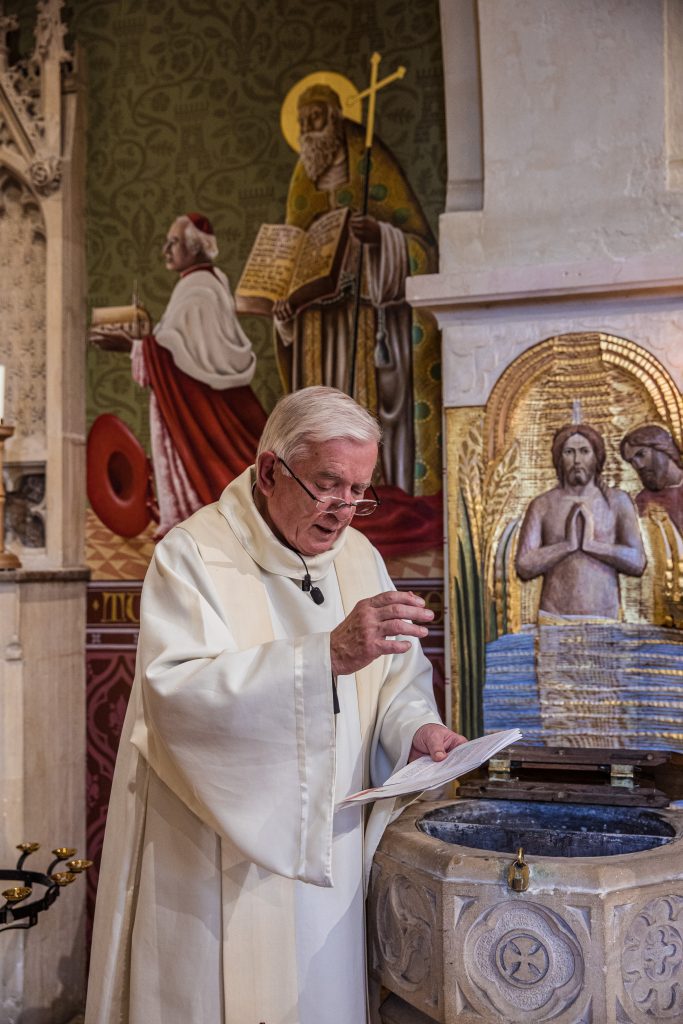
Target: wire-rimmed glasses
(362, 507)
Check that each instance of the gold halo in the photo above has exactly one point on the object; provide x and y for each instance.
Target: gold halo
(351, 106)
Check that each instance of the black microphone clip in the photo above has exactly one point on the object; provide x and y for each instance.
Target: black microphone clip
(315, 592)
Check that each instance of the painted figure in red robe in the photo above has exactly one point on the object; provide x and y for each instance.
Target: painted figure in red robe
(205, 420)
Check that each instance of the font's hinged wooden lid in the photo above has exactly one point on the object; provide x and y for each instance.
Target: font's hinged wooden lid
(646, 778)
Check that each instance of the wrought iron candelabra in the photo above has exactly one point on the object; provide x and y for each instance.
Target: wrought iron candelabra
(21, 911)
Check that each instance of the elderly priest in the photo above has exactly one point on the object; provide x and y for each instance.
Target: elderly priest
(278, 671)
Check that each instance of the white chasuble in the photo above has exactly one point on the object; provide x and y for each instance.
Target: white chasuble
(230, 892)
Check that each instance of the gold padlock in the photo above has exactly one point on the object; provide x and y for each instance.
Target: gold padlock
(518, 873)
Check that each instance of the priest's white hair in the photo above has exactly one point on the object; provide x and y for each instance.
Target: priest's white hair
(312, 415)
(198, 241)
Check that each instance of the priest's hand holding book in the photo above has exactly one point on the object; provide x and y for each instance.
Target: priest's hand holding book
(371, 630)
(435, 740)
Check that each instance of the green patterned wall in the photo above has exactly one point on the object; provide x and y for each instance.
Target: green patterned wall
(183, 113)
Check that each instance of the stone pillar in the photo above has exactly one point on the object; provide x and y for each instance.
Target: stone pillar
(42, 773)
(42, 605)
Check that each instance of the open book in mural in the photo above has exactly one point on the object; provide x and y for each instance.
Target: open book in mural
(289, 264)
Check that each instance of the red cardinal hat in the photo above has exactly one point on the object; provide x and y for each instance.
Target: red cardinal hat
(201, 223)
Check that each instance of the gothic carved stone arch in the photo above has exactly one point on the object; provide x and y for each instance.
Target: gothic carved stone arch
(43, 290)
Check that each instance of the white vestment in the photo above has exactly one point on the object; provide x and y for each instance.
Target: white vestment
(230, 892)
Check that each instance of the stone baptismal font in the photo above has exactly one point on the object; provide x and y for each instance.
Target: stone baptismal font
(530, 900)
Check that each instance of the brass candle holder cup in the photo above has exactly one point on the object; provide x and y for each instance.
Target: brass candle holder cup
(37, 890)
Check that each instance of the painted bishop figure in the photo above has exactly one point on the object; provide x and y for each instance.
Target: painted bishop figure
(321, 344)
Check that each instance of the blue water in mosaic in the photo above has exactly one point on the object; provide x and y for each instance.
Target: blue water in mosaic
(511, 692)
(639, 664)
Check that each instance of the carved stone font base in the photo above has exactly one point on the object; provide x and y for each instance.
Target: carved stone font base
(593, 940)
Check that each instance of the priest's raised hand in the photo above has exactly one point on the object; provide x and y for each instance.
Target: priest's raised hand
(373, 628)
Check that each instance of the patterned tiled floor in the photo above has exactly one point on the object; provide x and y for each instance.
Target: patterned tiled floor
(116, 558)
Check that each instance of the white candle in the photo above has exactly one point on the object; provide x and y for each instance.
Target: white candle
(2, 392)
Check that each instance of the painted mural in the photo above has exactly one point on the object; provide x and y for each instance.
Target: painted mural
(332, 280)
(184, 114)
(566, 552)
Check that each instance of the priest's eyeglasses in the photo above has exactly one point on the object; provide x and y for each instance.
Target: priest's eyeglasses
(363, 507)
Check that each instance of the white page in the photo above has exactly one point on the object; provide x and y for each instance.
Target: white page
(424, 774)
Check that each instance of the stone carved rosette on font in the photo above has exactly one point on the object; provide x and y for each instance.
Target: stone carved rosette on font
(523, 962)
(405, 936)
(652, 962)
